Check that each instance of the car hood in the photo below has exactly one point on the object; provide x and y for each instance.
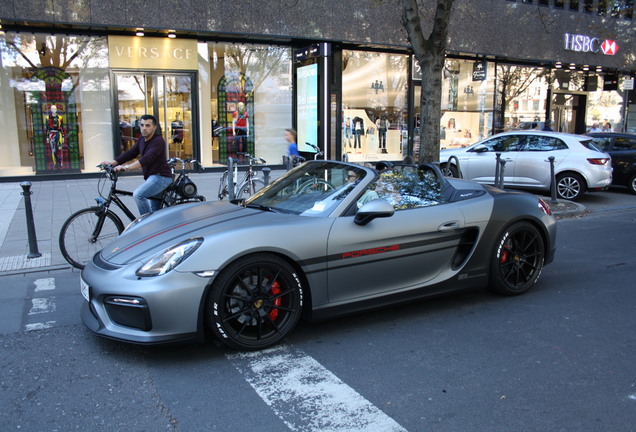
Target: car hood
(173, 225)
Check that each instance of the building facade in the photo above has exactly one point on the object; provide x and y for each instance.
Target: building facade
(229, 78)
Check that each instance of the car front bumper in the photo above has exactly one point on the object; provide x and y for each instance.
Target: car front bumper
(160, 309)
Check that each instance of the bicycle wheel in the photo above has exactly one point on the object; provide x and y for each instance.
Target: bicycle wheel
(223, 191)
(315, 185)
(248, 189)
(76, 236)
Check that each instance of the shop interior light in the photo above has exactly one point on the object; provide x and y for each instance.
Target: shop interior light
(172, 34)
(599, 69)
(572, 66)
(558, 65)
(139, 32)
(586, 68)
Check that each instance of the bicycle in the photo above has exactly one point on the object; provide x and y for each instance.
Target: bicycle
(89, 230)
(314, 184)
(249, 185)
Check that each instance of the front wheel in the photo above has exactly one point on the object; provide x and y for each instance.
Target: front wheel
(248, 189)
(570, 186)
(255, 302)
(86, 232)
(518, 259)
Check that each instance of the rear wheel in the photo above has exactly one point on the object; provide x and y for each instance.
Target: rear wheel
(255, 302)
(223, 191)
(518, 260)
(248, 189)
(570, 186)
(80, 237)
(631, 184)
(450, 170)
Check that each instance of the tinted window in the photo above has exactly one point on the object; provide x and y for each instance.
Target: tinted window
(504, 143)
(544, 143)
(624, 143)
(603, 143)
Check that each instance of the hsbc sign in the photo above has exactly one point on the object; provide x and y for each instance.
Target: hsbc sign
(583, 43)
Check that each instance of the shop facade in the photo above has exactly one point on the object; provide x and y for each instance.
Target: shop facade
(72, 100)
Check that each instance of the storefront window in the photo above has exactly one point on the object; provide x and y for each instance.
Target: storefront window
(467, 102)
(251, 100)
(374, 101)
(604, 107)
(521, 97)
(49, 86)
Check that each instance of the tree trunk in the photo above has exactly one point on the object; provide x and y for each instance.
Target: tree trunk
(429, 53)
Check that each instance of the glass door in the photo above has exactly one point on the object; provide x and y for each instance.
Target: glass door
(169, 97)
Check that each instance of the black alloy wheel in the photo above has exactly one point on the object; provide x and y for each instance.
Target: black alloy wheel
(255, 302)
(518, 259)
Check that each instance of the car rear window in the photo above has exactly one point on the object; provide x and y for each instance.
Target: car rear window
(589, 143)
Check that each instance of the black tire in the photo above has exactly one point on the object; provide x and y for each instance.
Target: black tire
(245, 191)
(223, 188)
(570, 186)
(76, 242)
(518, 259)
(450, 170)
(255, 302)
(631, 184)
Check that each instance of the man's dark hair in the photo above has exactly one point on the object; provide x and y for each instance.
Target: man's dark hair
(149, 117)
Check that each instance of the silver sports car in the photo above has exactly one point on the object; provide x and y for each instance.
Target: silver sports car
(326, 239)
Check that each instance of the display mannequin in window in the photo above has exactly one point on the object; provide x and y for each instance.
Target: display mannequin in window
(358, 131)
(383, 125)
(55, 135)
(241, 126)
(177, 132)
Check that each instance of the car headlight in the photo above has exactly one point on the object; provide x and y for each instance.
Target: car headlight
(168, 259)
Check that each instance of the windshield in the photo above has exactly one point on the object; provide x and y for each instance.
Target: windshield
(312, 189)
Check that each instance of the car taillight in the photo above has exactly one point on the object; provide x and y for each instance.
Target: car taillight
(598, 161)
(545, 207)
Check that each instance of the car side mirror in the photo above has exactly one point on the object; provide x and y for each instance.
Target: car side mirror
(377, 208)
(479, 149)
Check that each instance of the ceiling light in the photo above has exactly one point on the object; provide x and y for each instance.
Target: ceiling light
(172, 34)
(599, 69)
(572, 66)
(558, 65)
(139, 32)
(586, 68)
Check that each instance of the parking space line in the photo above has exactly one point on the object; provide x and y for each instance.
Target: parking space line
(305, 395)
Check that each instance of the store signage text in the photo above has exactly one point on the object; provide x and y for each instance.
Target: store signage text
(584, 43)
(152, 53)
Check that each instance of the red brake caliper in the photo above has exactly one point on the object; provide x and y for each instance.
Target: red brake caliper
(273, 313)
(504, 256)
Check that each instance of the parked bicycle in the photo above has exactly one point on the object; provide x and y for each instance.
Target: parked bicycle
(248, 186)
(87, 231)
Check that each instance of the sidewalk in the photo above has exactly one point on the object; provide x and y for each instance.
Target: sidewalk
(54, 201)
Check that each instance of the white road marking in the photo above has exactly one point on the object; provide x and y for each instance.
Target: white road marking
(45, 284)
(39, 326)
(42, 305)
(307, 396)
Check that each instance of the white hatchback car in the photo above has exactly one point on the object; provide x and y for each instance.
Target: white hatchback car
(578, 165)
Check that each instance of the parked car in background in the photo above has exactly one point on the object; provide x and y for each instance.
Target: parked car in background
(622, 148)
(578, 165)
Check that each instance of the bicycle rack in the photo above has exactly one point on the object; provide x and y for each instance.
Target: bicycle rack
(231, 178)
(459, 171)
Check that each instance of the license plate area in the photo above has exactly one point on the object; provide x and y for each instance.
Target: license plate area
(85, 290)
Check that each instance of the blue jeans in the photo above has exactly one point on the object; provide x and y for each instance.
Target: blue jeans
(153, 186)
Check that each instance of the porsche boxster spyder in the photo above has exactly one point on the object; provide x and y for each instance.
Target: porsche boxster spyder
(326, 239)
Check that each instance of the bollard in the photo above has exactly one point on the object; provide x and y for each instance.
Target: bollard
(500, 181)
(497, 168)
(553, 194)
(266, 173)
(33, 241)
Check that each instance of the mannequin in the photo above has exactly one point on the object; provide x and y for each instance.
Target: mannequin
(177, 132)
(241, 126)
(55, 136)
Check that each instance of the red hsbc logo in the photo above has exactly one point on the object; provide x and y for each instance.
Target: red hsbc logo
(583, 43)
(609, 47)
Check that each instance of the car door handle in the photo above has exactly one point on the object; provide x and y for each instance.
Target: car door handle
(449, 226)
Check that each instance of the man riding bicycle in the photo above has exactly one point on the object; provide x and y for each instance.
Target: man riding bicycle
(151, 149)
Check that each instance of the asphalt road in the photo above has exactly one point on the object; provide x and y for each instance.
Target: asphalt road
(560, 358)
